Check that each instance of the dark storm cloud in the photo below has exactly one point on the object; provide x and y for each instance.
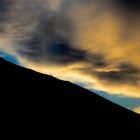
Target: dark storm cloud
(51, 42)
(57, 53)
(63, 53)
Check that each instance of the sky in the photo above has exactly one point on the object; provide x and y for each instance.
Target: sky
(9, 58)
(93, 43)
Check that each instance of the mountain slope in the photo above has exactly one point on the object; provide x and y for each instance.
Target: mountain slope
(24, 91)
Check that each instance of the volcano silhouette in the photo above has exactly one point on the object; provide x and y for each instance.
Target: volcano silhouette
(28, 93)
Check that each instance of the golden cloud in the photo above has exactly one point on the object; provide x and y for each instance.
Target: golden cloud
(137, 110)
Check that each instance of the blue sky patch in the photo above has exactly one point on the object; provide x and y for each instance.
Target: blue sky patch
(9, 58)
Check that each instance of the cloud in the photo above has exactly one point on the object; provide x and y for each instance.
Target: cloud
(129, 5)
(137, 110)
(94, 42)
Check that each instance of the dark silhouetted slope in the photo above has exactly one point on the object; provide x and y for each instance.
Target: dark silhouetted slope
(37, 98)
